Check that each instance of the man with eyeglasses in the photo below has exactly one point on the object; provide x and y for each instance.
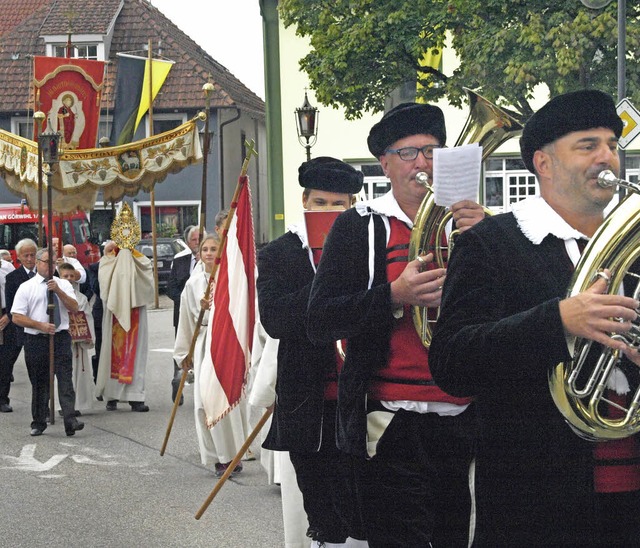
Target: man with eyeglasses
(415, 440)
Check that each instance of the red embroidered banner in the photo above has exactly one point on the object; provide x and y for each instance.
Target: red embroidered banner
(69, 92)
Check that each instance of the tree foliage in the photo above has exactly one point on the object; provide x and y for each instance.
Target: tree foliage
(362, 50)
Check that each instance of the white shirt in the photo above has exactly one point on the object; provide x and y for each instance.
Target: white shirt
(75, 263)
(31, 301)
(5, 268)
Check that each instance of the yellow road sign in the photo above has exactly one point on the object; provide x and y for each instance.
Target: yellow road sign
(631, 119)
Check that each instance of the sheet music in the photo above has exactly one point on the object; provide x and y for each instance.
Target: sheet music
(456, 173)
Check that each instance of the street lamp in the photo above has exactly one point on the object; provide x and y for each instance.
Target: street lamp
(307, 125)
(49, 151)
(622, 48)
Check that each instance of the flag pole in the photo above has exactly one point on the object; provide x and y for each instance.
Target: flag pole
(187, 362)
(234, 462)
(207, 89)
(152, 192)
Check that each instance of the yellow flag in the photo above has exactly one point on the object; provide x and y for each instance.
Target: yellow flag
(430, 58)
(155, 73)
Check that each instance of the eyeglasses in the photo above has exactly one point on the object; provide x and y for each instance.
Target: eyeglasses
(411, 153)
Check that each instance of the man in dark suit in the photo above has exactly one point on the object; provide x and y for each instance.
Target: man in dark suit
(14, 335)
(181, 269)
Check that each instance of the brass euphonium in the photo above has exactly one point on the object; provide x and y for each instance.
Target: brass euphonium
(489, 126)
(579, 393)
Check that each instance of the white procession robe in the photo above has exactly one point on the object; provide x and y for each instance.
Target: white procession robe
(126, 282)
(222, 442)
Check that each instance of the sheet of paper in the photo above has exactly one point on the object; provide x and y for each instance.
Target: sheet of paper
(456, 173)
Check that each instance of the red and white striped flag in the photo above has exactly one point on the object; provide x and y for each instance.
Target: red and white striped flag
(225, 367)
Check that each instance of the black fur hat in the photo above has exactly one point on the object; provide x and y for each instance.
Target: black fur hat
(331, 175)
(574, 111)
(404, 120)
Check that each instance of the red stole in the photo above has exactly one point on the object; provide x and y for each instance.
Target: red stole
(123, 349)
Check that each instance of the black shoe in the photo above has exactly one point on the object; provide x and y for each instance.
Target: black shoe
(36, 432)
(5, 408)
(112, 405)
(77, 413)
(99, 398)
(174, 392)
(139, 406)
(72, 427)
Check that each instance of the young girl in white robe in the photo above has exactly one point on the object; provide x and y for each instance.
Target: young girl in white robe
(221, 443)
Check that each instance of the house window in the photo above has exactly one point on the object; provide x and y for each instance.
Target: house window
(82, 51)
(171, 219)
(22, 126)
(166, 122)
(507, 181)
(104, 127)
(375, 182)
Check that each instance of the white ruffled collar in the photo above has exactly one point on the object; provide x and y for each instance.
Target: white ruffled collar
(300, 230)
(384, 205)
(537, 219)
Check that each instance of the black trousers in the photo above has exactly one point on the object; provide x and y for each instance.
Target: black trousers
(327, 481)
(36, 355)
(8, 355)
(415, 491)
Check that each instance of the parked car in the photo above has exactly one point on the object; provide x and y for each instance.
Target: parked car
(166, 248)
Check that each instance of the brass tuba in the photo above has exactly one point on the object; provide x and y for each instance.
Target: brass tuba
(490, 126)
(579, 393)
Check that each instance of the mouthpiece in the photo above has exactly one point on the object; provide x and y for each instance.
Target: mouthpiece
(607, 178)
(422, 178)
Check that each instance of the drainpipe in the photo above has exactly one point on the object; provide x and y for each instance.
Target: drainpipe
(221, 133)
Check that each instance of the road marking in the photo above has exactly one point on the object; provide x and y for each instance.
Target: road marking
(27, 462)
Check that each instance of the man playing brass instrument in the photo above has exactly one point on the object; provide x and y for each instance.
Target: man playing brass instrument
(414, 485)
(305, 408)
(505, 323)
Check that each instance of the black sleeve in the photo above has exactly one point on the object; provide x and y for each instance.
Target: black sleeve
(341, 303)
(499, 321)
(284, 281)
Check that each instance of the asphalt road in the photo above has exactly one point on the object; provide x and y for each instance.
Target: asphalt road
(108, 486)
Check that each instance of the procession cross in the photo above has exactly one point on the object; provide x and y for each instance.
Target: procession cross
(251, 151)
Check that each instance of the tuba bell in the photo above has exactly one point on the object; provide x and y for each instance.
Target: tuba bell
(489, 126)
(577, 390)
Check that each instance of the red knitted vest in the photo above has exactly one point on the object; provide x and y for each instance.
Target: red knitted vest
(406, 374)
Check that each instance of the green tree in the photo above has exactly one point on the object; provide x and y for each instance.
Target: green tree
(362, 50)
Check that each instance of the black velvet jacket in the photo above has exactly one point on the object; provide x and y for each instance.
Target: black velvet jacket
(284, 281)
(342, 306)
(498, 336)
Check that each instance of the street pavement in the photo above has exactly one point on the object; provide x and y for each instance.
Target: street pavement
(108, 486)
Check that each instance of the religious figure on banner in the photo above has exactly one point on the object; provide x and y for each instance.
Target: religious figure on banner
(67, 117)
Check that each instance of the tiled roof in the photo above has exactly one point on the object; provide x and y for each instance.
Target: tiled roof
(137, 22)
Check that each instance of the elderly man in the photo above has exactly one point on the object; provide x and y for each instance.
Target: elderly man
(30, 311)
(506, 322)
(13, 335)
(414, 439)
(81, 274)
(181, 268)
(6, 358)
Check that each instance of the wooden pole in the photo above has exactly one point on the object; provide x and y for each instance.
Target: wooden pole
(207, 89)
(234, 463)
(152, 193)
(50, 297)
